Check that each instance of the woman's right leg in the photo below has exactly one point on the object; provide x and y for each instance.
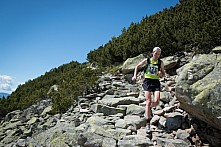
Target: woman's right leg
(148, 111)
(148, 103)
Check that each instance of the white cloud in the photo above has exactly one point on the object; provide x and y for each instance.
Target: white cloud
(6, 83)
(6, 79)
(5, 87)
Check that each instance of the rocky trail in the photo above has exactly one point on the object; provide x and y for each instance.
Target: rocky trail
(111, 115)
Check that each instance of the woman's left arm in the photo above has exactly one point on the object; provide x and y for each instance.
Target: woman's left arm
(162, 70)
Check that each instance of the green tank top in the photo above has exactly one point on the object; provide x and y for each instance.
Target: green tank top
(152, 70)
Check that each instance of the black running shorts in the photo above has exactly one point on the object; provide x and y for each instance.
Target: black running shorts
(151, 85)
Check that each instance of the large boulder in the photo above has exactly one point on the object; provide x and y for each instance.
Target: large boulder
(217, 49)
(130, 63)
(198, 88)
(170, 62)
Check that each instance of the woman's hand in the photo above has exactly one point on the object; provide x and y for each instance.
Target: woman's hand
(134, 78)
(160, 74)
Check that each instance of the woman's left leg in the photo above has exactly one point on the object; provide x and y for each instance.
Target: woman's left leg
(156, 99)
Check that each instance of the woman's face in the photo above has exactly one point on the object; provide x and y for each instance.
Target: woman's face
(157, 53)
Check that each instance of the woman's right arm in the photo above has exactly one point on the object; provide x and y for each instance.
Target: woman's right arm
(137, 67)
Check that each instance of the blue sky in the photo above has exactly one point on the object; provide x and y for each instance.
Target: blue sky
(38, 35)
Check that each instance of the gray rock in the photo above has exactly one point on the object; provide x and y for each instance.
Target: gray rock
(107, 110)
(199, 92)
(217, 49)
(171, 142)
(130, 63)
(121, 123)
(173, 120)
(134, 140)
(120, 101)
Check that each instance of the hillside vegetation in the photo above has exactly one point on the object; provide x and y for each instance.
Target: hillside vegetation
(72, 79)
(193, 25)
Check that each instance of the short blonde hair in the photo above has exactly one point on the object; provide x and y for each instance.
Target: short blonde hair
(156, 48)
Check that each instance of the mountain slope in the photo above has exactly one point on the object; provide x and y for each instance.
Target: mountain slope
(72, 80)
(193, 25)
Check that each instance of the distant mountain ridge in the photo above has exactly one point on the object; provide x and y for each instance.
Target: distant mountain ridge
(3, 94)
